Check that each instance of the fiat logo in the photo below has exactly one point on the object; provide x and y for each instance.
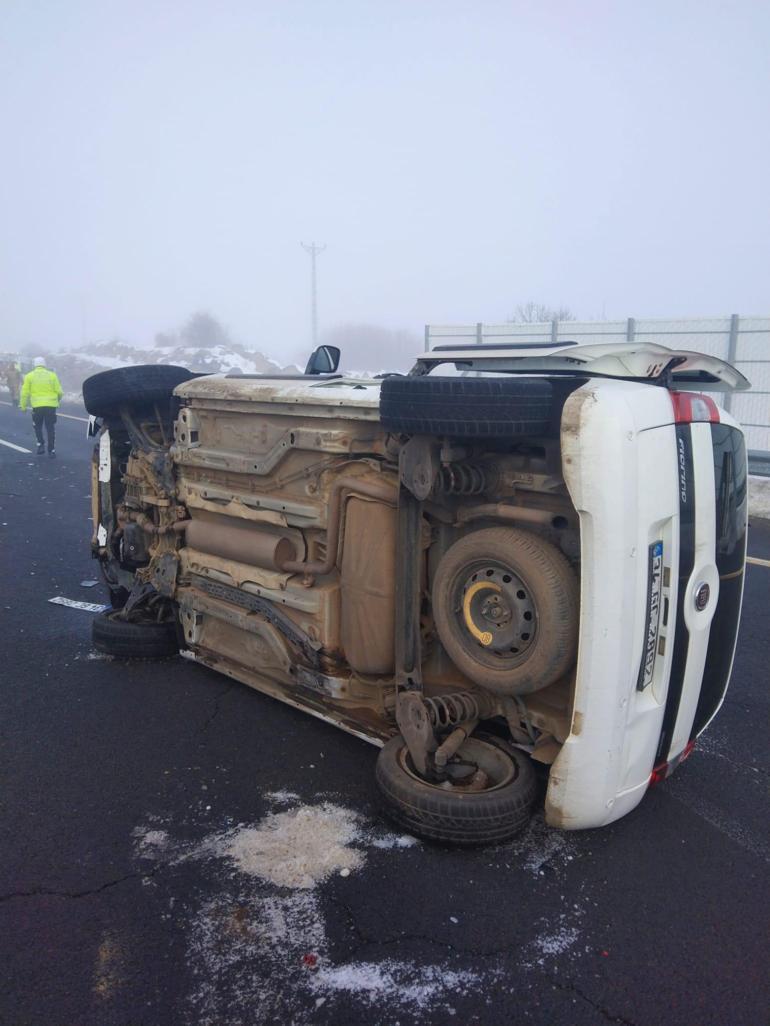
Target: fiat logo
(702, 594)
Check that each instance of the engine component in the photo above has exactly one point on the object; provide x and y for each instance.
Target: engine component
(134, 549)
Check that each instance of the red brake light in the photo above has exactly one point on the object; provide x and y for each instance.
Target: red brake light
(692, 406)
(665, 769)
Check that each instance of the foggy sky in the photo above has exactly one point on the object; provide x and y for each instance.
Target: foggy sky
(457, 158)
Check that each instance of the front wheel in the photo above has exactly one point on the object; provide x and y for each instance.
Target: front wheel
(486, 799)
(113, 635)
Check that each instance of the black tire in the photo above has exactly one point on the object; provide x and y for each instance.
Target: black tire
(114, 636)
(538, 594)
(464, 818)
(467, 407)
(106, 392)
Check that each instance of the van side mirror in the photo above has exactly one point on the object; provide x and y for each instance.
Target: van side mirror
(323, 360)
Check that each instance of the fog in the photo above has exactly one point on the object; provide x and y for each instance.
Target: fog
(457, 159)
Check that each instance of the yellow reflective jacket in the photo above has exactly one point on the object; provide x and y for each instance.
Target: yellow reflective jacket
(41, 388)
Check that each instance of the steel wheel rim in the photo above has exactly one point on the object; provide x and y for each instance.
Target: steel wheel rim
(499, 767)
(495, 613)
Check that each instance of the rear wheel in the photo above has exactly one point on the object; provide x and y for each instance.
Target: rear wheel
(486, 799)
(113, 635)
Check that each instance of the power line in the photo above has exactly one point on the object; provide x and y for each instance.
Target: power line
(313, 249)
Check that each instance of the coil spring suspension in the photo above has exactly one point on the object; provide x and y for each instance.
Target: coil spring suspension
(449, 710)
(461, 479)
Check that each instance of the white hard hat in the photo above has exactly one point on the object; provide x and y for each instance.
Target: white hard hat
(40, 361)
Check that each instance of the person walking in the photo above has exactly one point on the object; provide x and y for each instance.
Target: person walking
(42, 390)
(13, 380)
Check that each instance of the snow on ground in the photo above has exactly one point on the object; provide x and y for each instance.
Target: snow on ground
(258, 949)
(540, 848)
(75, 365)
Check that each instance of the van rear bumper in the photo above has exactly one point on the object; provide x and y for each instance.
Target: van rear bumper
(648, 541)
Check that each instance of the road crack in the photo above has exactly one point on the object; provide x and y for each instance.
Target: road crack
(572, 988)
(88, 892)
(217, 702)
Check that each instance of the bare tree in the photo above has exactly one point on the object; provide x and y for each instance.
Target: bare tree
(539, 313)
(204, 332)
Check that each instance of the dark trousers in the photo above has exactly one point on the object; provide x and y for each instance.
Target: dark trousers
(45, 415)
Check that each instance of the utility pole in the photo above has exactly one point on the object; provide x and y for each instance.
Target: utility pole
(313, 249)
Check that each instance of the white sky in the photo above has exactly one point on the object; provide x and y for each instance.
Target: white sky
(457, 158)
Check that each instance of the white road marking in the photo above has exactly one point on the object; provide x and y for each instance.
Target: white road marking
(69, 416)
(756, 561)
(89, 607)
(18, 448)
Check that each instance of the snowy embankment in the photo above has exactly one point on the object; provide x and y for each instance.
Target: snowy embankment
(74, 366)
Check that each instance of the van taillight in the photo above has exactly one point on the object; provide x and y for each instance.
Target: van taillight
(692, 406)
(665, 769)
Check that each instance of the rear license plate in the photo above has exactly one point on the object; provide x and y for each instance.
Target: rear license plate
(652, 620)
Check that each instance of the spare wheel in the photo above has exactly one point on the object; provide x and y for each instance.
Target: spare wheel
(506, 607)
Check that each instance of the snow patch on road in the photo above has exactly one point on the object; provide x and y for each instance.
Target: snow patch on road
(539, 848)
(408, 986)
(258, 949)
(257, 956)
(282, 797)
(157, 840)
(559, 941)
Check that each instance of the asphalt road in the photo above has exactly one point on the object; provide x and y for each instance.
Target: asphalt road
(118, 907)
